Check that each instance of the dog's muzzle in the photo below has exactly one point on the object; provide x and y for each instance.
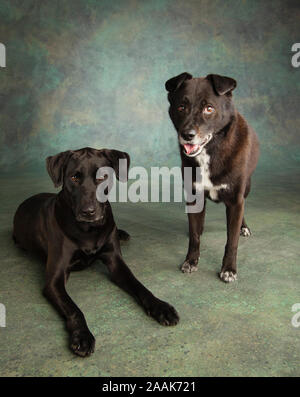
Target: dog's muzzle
(89, 214)
(193, 149)
(98, 219)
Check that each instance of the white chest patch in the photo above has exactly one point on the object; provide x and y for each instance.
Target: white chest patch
(203, 160)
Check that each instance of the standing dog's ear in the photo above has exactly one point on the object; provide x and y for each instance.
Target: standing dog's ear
(175, 82)
(221, 84)
(113, 157)
(55, 166)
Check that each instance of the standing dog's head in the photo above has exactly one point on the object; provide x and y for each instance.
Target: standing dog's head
(199, 108)
(77, 172)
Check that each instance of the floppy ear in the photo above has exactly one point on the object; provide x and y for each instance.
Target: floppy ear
(113, 157)
(55, 166)
(175, 82)
(221, 84)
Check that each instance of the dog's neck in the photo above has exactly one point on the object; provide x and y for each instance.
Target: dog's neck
(225, 137)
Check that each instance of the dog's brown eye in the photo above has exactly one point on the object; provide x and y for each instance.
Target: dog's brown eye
(209, 109)
(181, 108)
(75, 178)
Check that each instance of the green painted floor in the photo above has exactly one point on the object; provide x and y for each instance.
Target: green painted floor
(242, 329)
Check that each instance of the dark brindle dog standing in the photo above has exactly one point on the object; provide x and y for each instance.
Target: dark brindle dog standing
(212, 135)
(72, 229)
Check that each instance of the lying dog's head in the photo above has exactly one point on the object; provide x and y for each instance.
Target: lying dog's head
(199, 108)
(76, 171)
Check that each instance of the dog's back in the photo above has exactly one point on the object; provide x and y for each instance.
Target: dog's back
(29, 218)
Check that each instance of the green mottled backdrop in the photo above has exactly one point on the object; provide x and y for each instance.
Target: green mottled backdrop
(92, 73)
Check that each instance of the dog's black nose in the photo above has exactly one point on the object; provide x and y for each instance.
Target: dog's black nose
(188, 136)
(88, 211)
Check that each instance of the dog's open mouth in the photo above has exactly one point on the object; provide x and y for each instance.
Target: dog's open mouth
(192, 150)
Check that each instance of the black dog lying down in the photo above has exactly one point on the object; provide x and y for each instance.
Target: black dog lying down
(71, 229)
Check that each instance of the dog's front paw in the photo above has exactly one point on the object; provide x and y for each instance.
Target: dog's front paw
(188, 267)
(245, 232)
(82, 342)
(228, 276)
(164, 313)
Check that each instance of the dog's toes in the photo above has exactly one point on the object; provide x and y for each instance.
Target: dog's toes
(123, 236)
(82, 343)
(188, 267)
(228, 276)
(245, 232)
(164, 313)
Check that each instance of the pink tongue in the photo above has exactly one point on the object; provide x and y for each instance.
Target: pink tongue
(190, 148)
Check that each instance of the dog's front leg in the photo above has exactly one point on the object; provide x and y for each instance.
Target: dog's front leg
(164, 313)
(82, 341)
(234, 214)
(196, 225)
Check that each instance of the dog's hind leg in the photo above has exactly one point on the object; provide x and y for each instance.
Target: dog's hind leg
(123, 236)
(245, 231)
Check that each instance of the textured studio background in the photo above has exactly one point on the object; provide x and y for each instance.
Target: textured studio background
(92, 73)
